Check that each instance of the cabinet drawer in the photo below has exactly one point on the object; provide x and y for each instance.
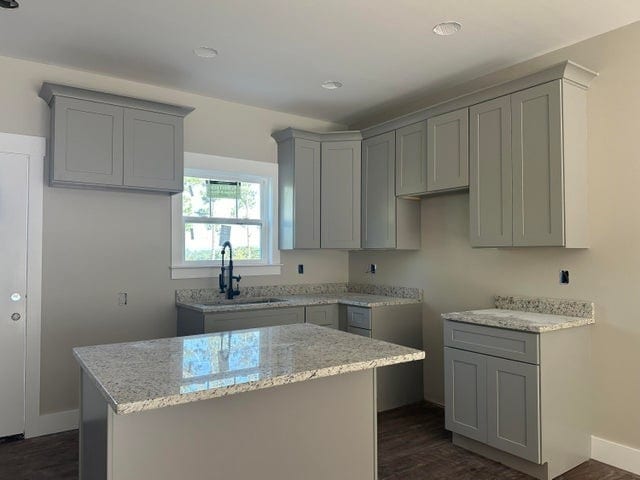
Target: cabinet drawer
(359, 317)
(363, 332)
(498, 342)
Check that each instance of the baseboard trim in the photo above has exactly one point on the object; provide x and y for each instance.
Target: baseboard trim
(615, 454)
(55, 423)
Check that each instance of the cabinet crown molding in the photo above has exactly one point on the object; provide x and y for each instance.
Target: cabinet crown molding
(288, 133)
(50, 90)
(567, 70)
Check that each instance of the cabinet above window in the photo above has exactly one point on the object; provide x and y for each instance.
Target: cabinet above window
(99, 140)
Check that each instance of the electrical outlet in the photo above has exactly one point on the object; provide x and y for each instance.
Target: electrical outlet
(372, 268)
(564, 277)
(122, 299)
(300, 268)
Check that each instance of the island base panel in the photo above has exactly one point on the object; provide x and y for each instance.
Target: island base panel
(317, 429)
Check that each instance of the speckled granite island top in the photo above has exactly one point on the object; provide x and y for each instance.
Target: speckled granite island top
(152, 374)
(529, 314)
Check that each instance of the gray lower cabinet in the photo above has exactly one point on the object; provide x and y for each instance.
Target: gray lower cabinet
(388, 222)
(519, 397)
(340, 184)
(448, 151)
(323, 315)
(528, 172)
(397, 385)
(465, 378)
(411, 159)
(191, 322)
(100, 140)
(513, 407)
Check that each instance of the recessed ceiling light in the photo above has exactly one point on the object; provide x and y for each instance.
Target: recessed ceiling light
(205, 52)
(331, 84)
(9, 4)
(447, 28)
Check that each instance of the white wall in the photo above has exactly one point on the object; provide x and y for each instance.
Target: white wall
(455, 277)
(98, 243)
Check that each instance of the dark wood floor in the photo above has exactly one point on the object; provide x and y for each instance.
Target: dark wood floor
(413, 445)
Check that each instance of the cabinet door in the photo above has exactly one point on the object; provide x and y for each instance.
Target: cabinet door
(87, 143)
(323, 315)
(340, 194)
(448, 151)
(307, 194)
(411, 159)
(513, 407)
(490, 190)
(378, 191)
(153, 151)
(465, 394)
(538, 203)
(223, 322)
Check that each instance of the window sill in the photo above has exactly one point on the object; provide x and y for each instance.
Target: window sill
(179, 272)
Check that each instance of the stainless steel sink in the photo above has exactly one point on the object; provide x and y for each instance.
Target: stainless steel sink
(246, 301)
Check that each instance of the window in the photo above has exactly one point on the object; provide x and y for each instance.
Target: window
(225, 199)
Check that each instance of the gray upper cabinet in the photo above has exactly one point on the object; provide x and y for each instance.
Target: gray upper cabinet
(528, 176)
(87, 142)
(537, 166)
(340, 179)
(490, 189)
(299, 193)
(99, 140)
(319, 183)
(387, 222)
(153, 150)
(448, 151)
(411, 159)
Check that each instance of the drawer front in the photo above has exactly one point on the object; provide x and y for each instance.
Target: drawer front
(359, 317)
(498, 342)
(363, 332)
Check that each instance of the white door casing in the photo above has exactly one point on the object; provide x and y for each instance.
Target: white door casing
(21, 190)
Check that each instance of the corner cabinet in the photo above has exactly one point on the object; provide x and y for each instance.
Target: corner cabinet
(319, 183)
(528, 171)
(99, 140)
(388, 222)
(512, 396)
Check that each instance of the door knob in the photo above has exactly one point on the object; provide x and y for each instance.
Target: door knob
(15, 317)
(15, 297)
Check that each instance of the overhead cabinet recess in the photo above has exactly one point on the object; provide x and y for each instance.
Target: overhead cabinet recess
(388, 222)
(319, 182)
(99, 140)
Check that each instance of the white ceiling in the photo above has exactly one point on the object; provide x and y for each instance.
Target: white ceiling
(275, 53)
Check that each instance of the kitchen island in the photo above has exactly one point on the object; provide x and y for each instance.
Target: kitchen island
(285, 402)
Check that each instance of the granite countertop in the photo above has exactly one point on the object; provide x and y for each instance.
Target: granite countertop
(343, 298)
(139, 376)
(518, 320)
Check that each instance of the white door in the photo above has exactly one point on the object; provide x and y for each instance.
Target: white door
(14, 183)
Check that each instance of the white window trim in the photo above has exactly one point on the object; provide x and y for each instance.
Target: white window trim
(227, 166)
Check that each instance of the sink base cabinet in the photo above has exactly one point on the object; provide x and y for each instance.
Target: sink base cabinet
(191, 322)
(531, 415)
